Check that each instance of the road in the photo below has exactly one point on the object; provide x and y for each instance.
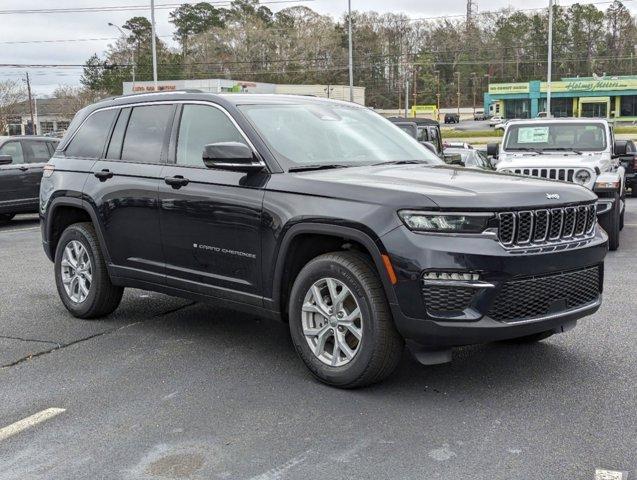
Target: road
(167, 388)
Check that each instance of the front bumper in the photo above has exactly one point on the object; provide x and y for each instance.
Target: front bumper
(413, 254)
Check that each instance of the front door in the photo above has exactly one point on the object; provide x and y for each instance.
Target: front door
(15, 193)
(124, 185)
(211, 223)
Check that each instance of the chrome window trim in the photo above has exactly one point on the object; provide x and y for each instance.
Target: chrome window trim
(170, 102)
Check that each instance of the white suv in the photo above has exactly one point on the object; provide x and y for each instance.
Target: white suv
(578, 150)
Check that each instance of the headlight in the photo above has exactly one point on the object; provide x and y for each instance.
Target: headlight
(445, 222)
(582, 177)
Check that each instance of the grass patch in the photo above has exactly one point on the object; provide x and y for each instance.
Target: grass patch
(451, 133)
(626, 129)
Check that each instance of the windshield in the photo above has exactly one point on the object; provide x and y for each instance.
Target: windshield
(316, 134)
(556, 136)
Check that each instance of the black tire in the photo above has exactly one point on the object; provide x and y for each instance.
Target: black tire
(6, 217)
(381, 345)
(535, 337)
(610, 222)
(103, 297)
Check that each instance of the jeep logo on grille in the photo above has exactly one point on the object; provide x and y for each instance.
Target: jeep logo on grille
(553, 196)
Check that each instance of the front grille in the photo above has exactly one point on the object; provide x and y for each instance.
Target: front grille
(538, 296)
(540, 226)
(565, 174)
(446, 299)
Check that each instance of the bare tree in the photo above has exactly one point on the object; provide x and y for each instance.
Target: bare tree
(12, 93)
(73, 99)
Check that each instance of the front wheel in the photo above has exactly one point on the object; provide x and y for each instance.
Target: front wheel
(340, 321)
(81, 277)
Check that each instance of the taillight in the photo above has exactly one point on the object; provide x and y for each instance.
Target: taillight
(48, 170)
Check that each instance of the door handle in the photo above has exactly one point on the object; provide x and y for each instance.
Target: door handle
(177, 181)
(104, 175)
(23, 168)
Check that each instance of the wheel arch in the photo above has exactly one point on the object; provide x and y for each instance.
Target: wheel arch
(65, 211)
(283, 276)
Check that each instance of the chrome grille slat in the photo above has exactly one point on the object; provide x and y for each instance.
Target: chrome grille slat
(546, 227)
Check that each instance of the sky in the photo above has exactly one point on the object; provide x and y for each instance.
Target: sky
(23, 27)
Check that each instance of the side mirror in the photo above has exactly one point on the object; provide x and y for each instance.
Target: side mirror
(430, 146)
(234, 156)
(453, 159)
(6, 159)
(620, 147)
(493, 149)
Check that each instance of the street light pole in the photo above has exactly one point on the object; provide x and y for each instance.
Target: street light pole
(153, 42)
(351, 66)
(550, 62)
(437, 72)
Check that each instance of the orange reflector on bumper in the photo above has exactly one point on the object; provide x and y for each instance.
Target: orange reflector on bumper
(390, 269)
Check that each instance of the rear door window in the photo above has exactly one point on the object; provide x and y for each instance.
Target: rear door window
(15, 150)
(36, 151)
(146, 132)
(89, 140)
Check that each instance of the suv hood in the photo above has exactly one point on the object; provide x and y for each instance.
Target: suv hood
(450, 187)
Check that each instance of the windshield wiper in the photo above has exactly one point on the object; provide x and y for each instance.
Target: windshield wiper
(316, 166)
(398, 162)
(526, 149)
(564, 149)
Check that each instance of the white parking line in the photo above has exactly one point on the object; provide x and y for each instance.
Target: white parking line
(29, 422)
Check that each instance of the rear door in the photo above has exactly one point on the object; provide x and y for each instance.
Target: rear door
(14, 187)
(124, 188)
(211, 225)
(37, 153)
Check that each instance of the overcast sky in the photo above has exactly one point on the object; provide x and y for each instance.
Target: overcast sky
(94, 25)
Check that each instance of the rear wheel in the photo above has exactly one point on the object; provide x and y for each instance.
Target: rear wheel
(81, 276)
(340, 322)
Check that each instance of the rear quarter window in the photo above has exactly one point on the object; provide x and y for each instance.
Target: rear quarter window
(89, 140)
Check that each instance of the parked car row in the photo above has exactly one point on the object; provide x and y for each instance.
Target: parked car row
(21, 162)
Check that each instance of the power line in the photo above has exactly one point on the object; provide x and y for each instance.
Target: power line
(119, 8)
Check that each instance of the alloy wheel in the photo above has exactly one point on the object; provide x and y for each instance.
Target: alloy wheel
(332, 322)
(77, 272)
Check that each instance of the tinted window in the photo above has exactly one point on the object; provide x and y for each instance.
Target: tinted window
(145, 133)
(37, 152)
(90, 138)
(115, 147)
(14, 149)
(199, 126)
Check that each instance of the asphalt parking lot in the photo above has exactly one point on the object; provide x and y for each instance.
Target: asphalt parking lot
(167, 388)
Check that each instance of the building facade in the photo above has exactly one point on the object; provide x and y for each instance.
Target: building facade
(606, 97)
(48, 115)
(220, 85)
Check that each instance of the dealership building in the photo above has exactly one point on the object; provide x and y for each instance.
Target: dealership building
(222, 85)
(607, 97)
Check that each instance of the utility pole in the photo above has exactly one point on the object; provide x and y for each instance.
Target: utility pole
(153, 41)
(458, 92)
(33, 127)
(406, 93)
(415, 102)
(550, 62)
(349, 41)
(472, 8)
(473, 88)
(437, 72)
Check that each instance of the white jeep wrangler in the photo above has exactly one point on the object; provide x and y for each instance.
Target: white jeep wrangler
(578, 150)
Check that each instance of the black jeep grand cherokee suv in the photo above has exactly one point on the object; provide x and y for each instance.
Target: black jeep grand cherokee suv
(320, 213)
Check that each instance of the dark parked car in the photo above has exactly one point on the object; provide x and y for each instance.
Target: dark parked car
(471, 158)
(21, 162)
(452, 118)
(629, 160)
(319, 213)
(427, 130)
